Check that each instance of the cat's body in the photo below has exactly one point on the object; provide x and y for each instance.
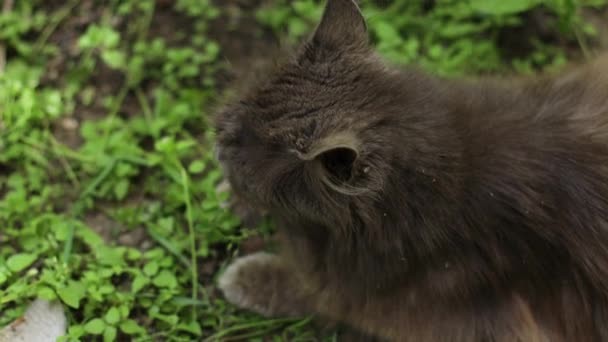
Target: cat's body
(419, 209)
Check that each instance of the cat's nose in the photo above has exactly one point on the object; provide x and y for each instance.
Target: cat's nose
(216, 152)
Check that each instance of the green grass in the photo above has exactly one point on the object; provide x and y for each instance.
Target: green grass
(108, 197)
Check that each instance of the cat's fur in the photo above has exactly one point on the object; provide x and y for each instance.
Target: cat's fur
(419, 209)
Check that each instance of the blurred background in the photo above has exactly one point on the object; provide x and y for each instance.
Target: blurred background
(109, 198)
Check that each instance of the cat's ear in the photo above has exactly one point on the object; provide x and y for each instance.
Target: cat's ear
(336, 155)
(342, 25)
(338, 163)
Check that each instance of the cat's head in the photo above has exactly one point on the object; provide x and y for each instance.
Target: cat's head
(314, 134)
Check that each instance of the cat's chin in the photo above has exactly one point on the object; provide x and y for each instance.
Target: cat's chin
(251, 216)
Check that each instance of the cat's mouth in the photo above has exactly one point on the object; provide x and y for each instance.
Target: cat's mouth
(217, 152)
(219, 156)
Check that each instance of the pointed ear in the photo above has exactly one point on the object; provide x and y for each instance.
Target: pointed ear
(337, 155)
(342, 25)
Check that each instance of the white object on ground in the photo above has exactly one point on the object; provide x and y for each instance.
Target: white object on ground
(42, 322)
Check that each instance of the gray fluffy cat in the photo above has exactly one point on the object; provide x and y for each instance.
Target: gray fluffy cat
(420, 209)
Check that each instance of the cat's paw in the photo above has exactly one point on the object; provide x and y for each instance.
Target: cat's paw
(260, 282)
(238, 282)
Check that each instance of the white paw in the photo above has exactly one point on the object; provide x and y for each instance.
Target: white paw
(234, 287)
